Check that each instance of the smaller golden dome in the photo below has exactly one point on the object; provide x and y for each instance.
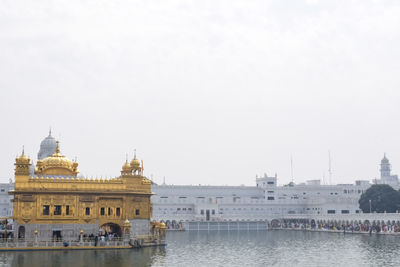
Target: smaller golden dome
(135, 163)
(22, 159)
(162, 225)
(127, 223)
(126, 166)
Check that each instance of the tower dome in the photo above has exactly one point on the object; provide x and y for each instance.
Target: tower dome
(384, 160)
(47, 147)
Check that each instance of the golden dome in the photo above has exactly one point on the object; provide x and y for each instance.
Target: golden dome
(56, 164)
(126, 166)
(162, 225)
(127, 223)
(135, 163)
(23, 159)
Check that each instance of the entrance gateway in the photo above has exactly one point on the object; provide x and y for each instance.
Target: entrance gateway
(111, 228)
(57, 234)
(21, 232)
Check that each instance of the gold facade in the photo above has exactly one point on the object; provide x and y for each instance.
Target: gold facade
(55, 195)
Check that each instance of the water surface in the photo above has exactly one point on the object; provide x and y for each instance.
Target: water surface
(253, 248)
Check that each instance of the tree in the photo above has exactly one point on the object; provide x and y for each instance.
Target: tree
(291, 184)
(383, 198)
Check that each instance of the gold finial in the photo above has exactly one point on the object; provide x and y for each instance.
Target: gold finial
(127, 224)
(58, 147)
(23, 150)
(134, 154)
(126, 158)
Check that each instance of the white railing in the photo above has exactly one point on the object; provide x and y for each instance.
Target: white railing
(32, 243)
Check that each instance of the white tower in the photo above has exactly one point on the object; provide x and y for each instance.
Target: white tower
(385, 167)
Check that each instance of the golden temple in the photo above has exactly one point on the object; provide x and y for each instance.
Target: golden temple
(54, 202)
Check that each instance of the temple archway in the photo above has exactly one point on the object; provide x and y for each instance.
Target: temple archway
(21, 232)
(111, 228)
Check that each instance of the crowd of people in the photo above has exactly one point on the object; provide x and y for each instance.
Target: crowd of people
(344, 226)
(173, 225)
(101, 238)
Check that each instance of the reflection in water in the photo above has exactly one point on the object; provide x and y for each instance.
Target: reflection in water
(263, 248)
(113, 257)
(280, 248)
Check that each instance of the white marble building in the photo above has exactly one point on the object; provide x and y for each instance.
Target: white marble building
(263, 201)
(6, 204)
(260, 202)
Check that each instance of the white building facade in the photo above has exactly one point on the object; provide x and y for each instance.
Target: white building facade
(6, 204)
(260, 202)
(263, 201)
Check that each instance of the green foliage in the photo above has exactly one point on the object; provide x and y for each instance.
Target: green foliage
(383, 198)
(291, 184)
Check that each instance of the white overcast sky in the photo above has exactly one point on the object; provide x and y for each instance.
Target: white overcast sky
(208, 92)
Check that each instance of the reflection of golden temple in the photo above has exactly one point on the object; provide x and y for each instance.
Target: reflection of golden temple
(158, 229)
(58, 203)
